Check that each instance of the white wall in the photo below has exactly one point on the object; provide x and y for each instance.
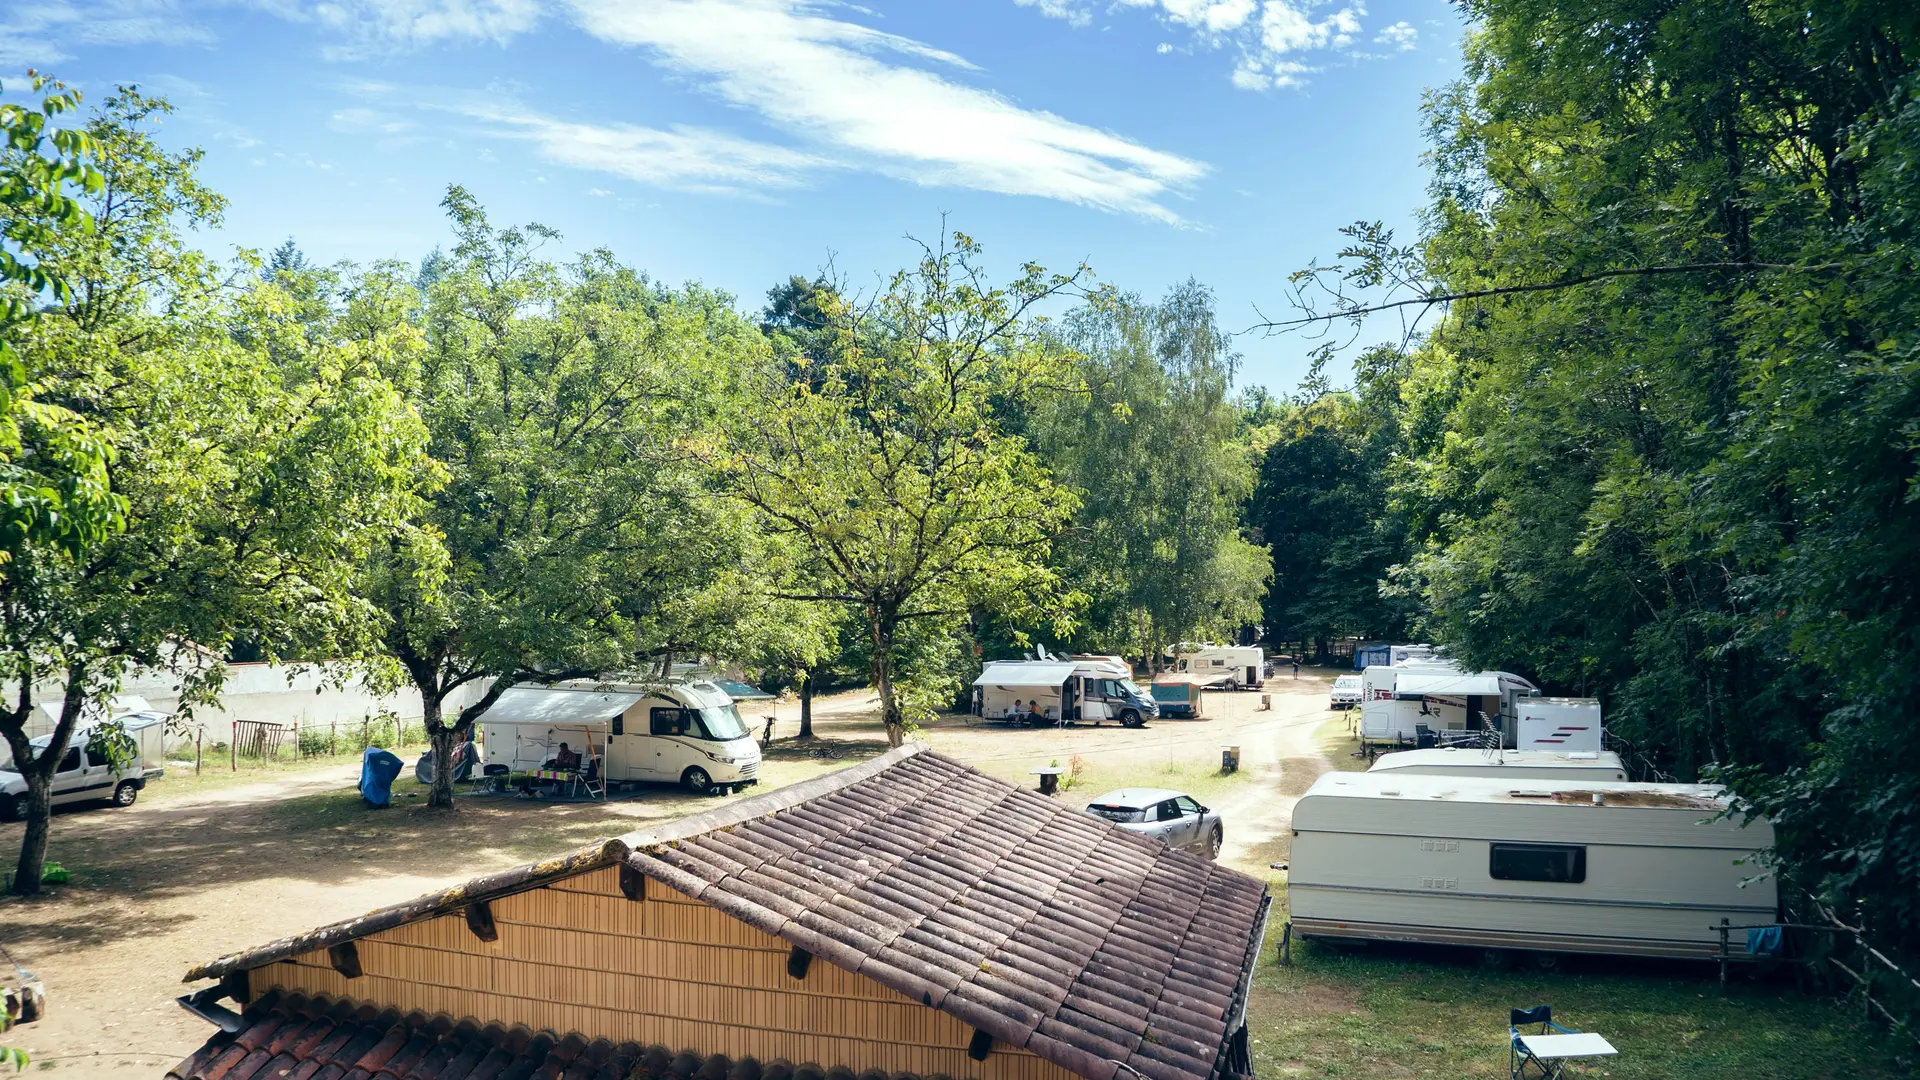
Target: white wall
(278, 694)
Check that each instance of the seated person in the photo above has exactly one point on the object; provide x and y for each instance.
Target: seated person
(1034, 715)
(566, 759)
(1014, 709)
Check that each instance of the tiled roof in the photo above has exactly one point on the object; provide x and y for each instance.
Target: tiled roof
(320, 1039)
(1045, 928)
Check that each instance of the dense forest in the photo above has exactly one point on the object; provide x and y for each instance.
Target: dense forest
(1634, 413)
(1646, 424)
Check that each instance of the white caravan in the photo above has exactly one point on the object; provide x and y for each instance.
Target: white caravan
(687, 733)
(84, 776)
(1233, 666)
(1512, 764)
(1550, 866)
(1559, 723)
(1083, 689)
(1398, 700)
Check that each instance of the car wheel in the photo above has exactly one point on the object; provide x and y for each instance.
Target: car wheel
(697, 780)
(14, 807)
(1131, 718)
(126, 794)
(1214, 841)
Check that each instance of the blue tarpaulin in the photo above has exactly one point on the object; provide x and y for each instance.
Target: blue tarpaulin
(1764, 940)
(378, 769)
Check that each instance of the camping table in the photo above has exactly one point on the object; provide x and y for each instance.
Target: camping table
(1553, 1050)
(570, 777)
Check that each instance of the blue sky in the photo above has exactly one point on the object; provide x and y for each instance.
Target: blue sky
(735, 142)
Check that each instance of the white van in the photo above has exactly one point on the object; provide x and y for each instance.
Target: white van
(688, 733)
(83, 776)
(1234, 666)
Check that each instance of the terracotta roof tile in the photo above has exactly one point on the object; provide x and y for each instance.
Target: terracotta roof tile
(1092, 946)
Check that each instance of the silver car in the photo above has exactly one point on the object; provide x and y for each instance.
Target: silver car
(1169, 816)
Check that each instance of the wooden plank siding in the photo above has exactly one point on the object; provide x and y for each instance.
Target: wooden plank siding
(577, 956)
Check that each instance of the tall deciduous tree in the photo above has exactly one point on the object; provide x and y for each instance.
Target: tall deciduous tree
(573, 536)
(1149, 443)
(253, 478)
(882, 460)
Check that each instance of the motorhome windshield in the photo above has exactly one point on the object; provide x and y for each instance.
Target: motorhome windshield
(1127, 685)
(723, 723)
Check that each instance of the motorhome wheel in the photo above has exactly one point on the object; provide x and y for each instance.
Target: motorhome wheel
(1130, 718)
(1495, 959)
(126, 793)
(1546, 961)
(697, 780)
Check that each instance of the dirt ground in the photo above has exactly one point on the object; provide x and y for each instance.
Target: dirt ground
(187, 875)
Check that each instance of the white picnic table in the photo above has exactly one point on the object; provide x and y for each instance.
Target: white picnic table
(1559, 1047)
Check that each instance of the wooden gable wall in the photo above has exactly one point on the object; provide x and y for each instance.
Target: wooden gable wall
(665, 970)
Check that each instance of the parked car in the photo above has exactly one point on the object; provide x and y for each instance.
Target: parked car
(84, 776)
(1346, 692)
(1177, 820)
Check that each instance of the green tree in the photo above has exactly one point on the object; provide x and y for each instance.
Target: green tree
(1148, 441)
(1660, 439)
(884, 465)
(252, 486)
(573, 536)
(1322, 504)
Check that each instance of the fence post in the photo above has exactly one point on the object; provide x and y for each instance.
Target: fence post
(199, 733)
(332, 726)
(233, 748)
(1723, 948)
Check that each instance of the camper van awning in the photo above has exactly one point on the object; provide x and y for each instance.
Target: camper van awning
(1025, 675)
(1452, 684)
(539, 705)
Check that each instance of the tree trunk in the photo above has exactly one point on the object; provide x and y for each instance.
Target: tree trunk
(806, 703)
(442, 737)
(38, 773)
(33, 843)
(883, 626)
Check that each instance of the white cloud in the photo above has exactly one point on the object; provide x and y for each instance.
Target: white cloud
(374, 26)
(46, 31)
(840, 86)
(678, 157)
(1401, 35)
(1260, 32)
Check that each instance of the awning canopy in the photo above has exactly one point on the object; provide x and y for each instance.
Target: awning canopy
(740, 691)
(1451, 684)
(539, 705)
(1025, 673)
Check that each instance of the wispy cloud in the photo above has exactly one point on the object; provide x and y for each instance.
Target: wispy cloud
(1265, 36)
(679, 157)
(377, 26)
(45, 31)
(851, 91)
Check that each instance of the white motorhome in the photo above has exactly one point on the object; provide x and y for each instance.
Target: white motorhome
(1549, 866)
(1233, 666)
(1398, 700)
(1576, 767)
(84, 776)
(1082, 689)
(687, 733)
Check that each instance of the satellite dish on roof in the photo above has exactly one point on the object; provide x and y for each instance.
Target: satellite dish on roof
(1042, 650)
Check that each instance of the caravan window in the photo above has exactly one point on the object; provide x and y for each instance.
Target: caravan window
(1564, 863)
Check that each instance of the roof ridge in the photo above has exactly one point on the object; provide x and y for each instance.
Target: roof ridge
(772, 802)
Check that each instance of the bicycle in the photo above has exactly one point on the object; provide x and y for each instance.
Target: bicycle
(832, 751)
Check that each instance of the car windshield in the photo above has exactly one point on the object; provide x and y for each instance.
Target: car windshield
(1124, 815)
(1347, 682)
(723, 723)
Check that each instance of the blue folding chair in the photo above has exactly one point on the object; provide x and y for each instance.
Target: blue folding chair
(1519, 1058)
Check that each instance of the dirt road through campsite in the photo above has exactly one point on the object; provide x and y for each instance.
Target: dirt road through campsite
(186, 876)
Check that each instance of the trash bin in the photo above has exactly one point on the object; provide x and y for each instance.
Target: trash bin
(1266, 702)
(1229, 759)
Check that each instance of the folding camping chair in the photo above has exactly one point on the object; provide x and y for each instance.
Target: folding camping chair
(1541, 1055)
